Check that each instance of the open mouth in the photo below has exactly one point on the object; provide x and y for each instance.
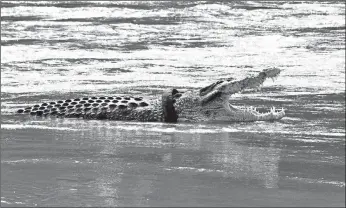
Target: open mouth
(252, 114)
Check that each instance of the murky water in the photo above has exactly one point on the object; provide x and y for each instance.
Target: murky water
(56, 50)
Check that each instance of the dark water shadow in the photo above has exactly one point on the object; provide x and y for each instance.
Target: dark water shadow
(22, 18)
(115, 20)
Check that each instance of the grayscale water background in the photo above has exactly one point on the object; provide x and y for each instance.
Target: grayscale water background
(61, 50)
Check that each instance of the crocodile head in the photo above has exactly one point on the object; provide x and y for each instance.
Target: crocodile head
(212, 103)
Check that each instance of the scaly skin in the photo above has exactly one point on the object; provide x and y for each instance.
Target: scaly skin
(207, 104)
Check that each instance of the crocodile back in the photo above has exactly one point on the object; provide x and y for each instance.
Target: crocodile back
(114, 108)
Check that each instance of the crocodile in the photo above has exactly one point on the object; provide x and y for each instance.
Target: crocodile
(211, 103)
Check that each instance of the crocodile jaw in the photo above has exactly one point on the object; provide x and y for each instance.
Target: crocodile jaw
(235, 113)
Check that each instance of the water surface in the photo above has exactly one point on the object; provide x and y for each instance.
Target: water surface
(60, 50)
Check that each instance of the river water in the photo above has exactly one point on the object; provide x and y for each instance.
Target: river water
(60, 50)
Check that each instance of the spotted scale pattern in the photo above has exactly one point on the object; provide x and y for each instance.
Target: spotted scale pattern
(115, 108)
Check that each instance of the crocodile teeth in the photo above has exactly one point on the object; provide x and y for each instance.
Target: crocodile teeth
(272, 110)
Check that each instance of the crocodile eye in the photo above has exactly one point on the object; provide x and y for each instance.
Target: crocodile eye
(177, 95)
(174, 91)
